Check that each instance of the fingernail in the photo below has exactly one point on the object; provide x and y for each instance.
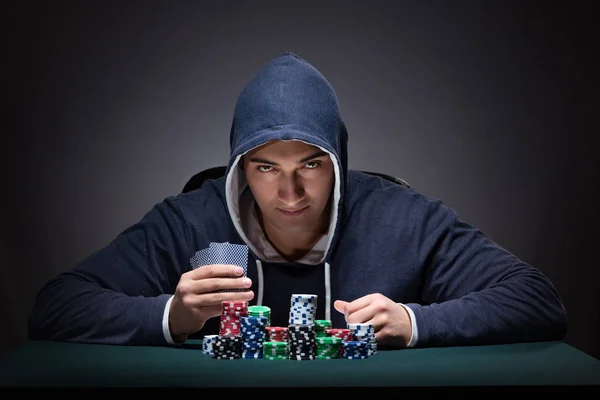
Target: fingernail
(247, 282)
(238, 270)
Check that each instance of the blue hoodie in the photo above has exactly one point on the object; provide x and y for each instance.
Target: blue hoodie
(460, 286)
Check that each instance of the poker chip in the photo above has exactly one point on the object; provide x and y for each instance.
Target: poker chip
(246, 332)
(207, 344)
(328, 347)
(275, 350)
(253, 335)
(228, 347)
(303, 309)
(260, 311)
(277, 333)
(320, 326)
(301, 342)
(365, 333)
(231, 313)
(343, 333)
(355, 350)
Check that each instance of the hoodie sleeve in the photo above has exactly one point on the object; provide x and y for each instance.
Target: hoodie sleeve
(118, 294)
(475, 292)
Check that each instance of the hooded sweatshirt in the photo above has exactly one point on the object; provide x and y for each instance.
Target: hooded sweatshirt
(459, 286)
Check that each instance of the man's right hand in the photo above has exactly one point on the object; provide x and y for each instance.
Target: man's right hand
(199, 295)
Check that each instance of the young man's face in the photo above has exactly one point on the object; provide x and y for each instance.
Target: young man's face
(291, 182)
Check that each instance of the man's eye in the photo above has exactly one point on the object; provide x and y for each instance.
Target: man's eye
(264, 168)
(312, 164)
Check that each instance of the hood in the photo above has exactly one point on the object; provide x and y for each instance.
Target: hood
(288, 99)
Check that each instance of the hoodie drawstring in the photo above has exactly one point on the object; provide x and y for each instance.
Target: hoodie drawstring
(327, 293)
(259, 269)
(259, 299)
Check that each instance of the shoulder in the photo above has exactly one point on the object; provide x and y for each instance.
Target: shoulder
(211, 192)
(384, 196)
(362, 185)
(209, 199)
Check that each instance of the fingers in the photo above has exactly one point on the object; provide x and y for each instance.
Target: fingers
(215, 271)
(212, 285)
(356, 312)
(361, 310)
(359, 303)
(340, 306)
(361, 316)
(200, 293)
(215, 300)
(213, 278)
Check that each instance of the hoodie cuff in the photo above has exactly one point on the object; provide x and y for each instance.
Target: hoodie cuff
(165, 324)
(414, 337)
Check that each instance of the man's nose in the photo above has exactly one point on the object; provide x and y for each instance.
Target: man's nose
(291, 189)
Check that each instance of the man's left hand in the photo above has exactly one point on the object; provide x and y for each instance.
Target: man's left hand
(390, 319)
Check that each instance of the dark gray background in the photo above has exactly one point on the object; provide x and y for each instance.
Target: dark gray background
(113, 105)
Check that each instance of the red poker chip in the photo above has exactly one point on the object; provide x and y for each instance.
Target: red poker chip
(235, 304)
(277, 329)
(230, 325)
(277, 333)
(235, 313)
(336, 331)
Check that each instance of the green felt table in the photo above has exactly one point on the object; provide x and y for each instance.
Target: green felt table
(54, 364)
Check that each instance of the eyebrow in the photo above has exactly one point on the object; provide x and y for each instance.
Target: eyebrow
(305, 159)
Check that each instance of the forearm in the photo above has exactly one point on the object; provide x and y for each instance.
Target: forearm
(69, 309)
(477, 292)
(520, 310)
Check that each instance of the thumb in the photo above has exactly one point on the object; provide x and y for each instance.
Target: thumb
(340, 306)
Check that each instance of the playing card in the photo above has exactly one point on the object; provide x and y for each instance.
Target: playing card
(222, 253)
(227, 253)
(201, 258)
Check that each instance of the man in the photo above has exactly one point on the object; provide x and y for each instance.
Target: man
(384, 253)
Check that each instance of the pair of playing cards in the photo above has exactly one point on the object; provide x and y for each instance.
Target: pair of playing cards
(222, 253)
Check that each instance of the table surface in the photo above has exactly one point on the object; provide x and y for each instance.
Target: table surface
(55, 364)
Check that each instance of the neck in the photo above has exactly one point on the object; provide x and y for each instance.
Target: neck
(292, 246)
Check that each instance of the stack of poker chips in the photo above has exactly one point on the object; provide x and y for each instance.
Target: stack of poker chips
(365, 333)
(301, 342)
(355, 350)
(303, 309)
(228, 347)
(231, 314)
(342, 333)
(228, 343)
(328, 347)
(207, 344)
(275, 346)
(320, 326)
(253, 336)
(260, 311)
(301, 328)
(277, 333)
(274, 350)
(245, 332)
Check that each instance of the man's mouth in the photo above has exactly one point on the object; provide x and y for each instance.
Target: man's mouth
(292, 212)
